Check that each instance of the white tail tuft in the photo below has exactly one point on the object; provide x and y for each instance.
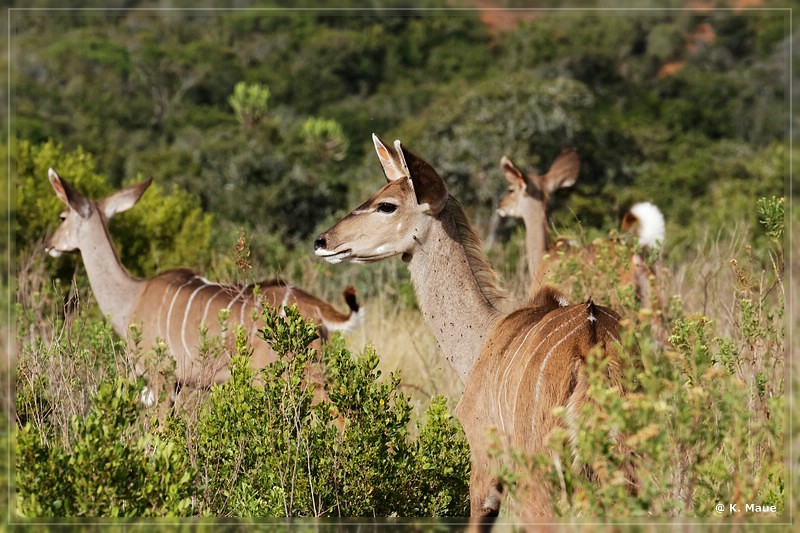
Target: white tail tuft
(651, 231)
(355, 320)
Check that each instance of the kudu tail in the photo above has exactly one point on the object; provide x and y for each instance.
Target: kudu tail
(352, 320)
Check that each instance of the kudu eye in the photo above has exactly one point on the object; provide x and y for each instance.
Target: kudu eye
(385, 207)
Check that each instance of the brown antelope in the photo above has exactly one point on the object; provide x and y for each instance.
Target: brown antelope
(527, 198)
(172, 306)
(516, 367)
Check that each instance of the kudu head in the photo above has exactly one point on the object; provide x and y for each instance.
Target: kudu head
(395, 220)
(84, 220)
(525, 187)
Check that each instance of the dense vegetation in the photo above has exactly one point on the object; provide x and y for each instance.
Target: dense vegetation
(255, 126)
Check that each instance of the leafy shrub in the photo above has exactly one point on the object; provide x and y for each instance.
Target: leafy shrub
(108, 467)
(324, 137)
(249, 102)
(703, 420)
(271, 444)
(272, 450)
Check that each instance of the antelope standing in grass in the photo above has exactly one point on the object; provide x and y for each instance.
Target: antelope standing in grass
(516, 367)
(527, 198)
(172, 306)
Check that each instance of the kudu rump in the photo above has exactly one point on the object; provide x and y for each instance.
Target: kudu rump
(516, 367)
(171, 307)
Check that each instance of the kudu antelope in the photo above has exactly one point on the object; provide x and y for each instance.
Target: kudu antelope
(516, 367)
(172, 306)
(527, 198)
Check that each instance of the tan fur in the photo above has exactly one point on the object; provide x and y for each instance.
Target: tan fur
(516, 367)
(527, 198)
(634, 271)
(171, 307)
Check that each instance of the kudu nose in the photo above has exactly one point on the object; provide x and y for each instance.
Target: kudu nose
(319, 243)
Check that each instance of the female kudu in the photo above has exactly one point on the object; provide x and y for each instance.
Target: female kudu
(173, 306)
(527, 198)
(516, 367)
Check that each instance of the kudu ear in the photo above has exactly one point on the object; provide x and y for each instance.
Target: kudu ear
(629, 220)
(67, 194)
(123, 200)
(563, 172)
(393, 163)
(429, 187)
(513, 174)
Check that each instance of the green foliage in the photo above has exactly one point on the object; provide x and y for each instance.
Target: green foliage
(464, 136)
(459, 94)
(702, 421)
(108, 467)
(325, 137)
(134, 93)
(164, 230)
(249, 101)
(282, 447)
(274, 444)
(771, 216)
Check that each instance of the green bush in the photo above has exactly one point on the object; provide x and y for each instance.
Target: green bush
(703, 420)
(109, 466)
(272, 450)
(249, 102)
(270, 444)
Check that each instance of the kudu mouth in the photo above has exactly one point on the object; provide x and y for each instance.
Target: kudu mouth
(334, 257)
(52, 251)
(346, 255)
(331, 256)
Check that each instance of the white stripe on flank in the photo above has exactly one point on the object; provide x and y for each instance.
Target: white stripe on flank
(186, 316)
(208, 305)
(241, 313)
(541, 372)
(504, 390)
(612, 317)
(230, 305)
(161, 308)
(238, 295)
(504, 380)
(169, 314)
(285, 300)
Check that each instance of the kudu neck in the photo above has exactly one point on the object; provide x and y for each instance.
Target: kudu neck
(534, 215)
(115, 290)
(455, 289)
